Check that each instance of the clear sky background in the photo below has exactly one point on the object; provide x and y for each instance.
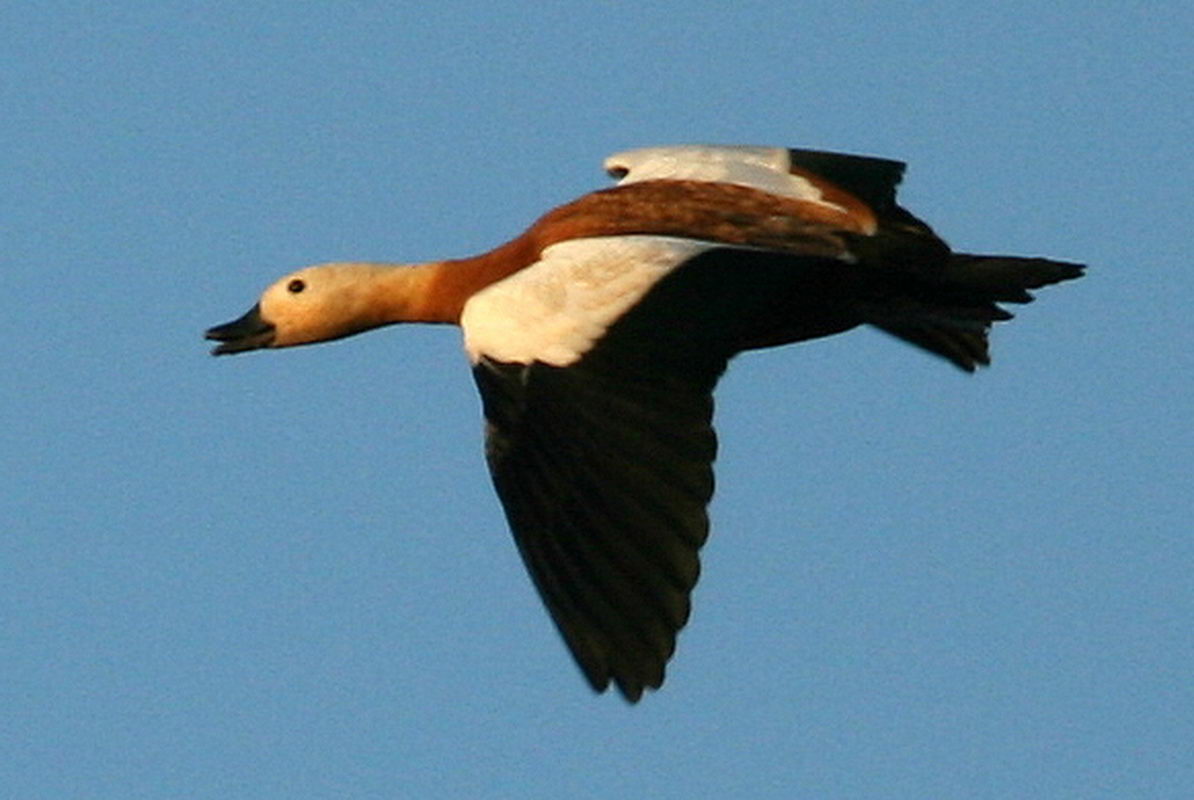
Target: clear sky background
(286, 574)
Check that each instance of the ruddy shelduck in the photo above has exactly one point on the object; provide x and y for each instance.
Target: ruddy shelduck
(597, 336)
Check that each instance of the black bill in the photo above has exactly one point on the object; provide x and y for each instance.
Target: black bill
(250, 332)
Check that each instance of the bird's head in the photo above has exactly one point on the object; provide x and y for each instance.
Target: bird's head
(313, 304)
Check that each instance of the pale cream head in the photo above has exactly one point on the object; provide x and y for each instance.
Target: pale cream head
(315, 304)
(319, 303)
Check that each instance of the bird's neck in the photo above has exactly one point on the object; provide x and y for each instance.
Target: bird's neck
(435, 291)
(443, 287)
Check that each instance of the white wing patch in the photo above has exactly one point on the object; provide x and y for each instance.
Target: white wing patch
(556, 309)
(765, 168)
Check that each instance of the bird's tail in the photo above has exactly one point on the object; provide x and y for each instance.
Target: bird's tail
(951, 315)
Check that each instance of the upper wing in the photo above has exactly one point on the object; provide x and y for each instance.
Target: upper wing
(863, 188)
(835, 179)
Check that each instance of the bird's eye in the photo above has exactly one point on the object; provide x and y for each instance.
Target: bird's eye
(296, 286)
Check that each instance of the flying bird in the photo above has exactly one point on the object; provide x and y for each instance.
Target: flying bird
(596, 338)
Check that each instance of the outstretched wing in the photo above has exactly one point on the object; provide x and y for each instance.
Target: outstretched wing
(600, 441)
(605, 475)
(596, 367)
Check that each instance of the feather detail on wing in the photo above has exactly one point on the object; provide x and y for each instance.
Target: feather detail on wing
(605, 476)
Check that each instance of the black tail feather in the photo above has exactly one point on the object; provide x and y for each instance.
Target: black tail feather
(952, 315)
(1006, 278)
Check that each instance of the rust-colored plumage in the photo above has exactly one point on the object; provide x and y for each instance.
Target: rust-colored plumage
(715, 212)
(598, 335)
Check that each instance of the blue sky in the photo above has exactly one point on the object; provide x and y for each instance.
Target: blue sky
(286, 574)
